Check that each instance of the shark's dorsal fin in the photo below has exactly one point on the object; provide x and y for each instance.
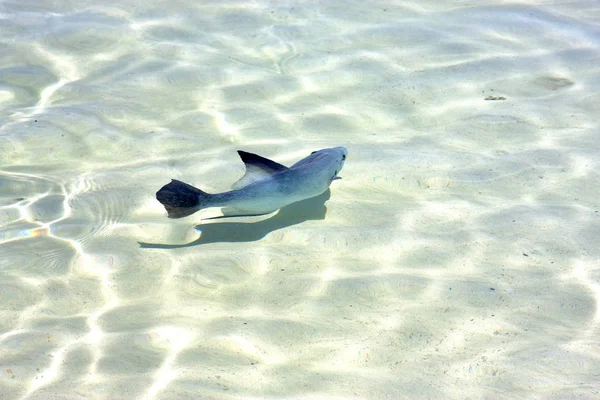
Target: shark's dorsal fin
(257, 167)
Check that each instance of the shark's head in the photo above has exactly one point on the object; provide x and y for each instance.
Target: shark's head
(333, 159)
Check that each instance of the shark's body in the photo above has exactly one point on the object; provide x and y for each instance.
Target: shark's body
(266, 186)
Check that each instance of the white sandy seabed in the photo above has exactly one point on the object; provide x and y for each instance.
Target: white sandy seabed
(457, 258)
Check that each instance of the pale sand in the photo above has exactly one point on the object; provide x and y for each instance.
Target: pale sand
(457, 258)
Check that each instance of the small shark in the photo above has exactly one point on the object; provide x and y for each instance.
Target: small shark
(265, 187)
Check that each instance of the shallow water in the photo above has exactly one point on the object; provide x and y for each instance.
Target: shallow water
(457, 258)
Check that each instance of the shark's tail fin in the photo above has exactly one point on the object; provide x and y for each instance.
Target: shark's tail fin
(181, 199)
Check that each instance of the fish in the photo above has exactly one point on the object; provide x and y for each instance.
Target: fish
(265, 187)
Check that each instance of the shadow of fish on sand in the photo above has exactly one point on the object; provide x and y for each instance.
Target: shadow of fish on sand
(223, 232)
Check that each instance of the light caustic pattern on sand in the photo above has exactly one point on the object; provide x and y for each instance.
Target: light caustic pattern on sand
(18, 227)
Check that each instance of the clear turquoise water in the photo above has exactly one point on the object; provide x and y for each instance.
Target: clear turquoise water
(457, 258)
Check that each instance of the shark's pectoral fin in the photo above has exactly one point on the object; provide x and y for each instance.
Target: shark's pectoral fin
(257, 168)
(235, 212)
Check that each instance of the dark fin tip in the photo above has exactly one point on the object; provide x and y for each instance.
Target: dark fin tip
(179, 198)
(260, 161)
